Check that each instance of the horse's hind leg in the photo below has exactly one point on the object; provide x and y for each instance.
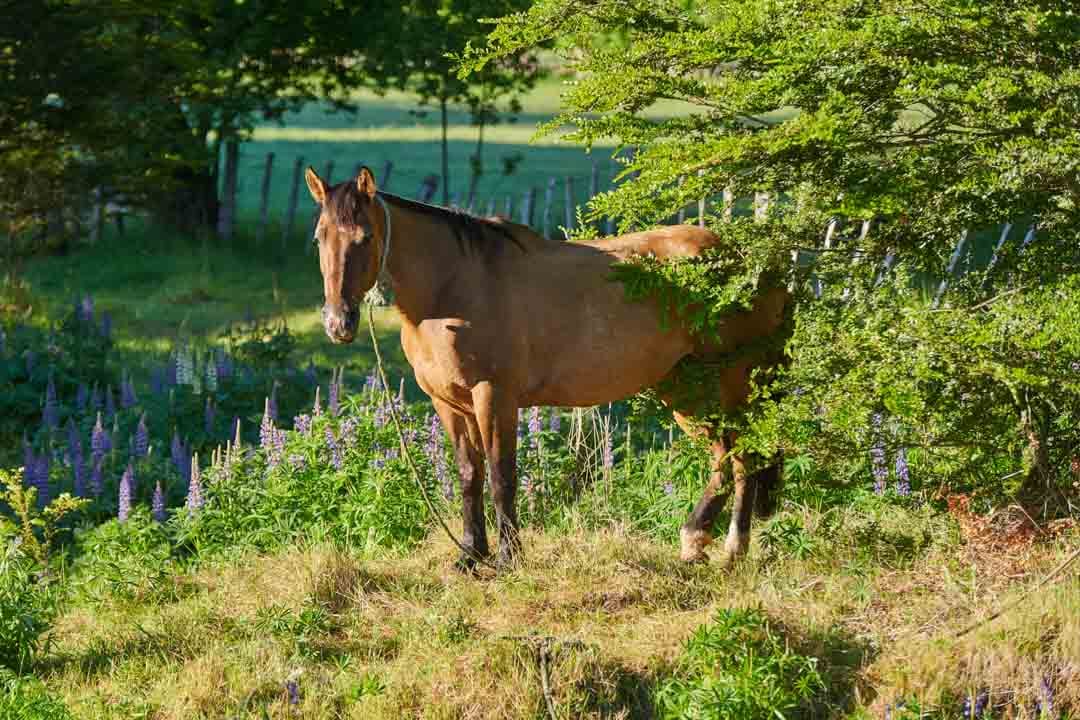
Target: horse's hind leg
(465, 437)
(696, 532)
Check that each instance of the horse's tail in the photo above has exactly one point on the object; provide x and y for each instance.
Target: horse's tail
(767, 484)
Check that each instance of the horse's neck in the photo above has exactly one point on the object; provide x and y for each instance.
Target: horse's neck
(421, 260)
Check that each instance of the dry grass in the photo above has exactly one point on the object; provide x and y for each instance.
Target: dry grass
(406, 636)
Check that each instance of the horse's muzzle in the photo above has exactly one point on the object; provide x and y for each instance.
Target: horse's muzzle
(340, 323)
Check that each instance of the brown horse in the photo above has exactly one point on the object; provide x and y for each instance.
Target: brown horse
(495, 318)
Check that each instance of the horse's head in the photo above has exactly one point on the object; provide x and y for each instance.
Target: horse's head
(350, 236)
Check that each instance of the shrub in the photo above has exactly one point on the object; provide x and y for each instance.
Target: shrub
(739, 666)
(23, 698)
(28, 605)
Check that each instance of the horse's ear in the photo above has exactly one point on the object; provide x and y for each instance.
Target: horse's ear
(316, 185)
(365, 182)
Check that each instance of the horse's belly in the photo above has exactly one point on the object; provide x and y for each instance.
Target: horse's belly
(617, 351)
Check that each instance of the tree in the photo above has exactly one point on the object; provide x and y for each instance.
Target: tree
(927, 118)
(417, 53)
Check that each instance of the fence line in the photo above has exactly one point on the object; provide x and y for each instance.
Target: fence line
(760, 204)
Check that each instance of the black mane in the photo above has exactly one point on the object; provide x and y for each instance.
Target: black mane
(346, 205)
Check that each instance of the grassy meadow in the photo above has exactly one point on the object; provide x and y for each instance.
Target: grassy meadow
(308, 579)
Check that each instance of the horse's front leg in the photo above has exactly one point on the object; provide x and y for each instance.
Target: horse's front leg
(465, 437)
(496, 414)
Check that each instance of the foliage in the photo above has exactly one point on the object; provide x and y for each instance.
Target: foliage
(28, 605)
(35, 529)
(26, 698)
(739, 666)
(910, 125)
(131, 560)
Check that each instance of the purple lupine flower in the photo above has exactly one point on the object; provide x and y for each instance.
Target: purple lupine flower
(277, 448)
(110, 402)
(157, 504)
(172, 376)
(553, 424)
(126, 400)
(309, 373)
(292, 687)
(106, 325)
(534, 428)
(298, 461)
(96, 401)
(271, 405)
(87, 310)
(157, 381)
(97, 484)
(974, 707)
(29, 356)
(371, 384)
(609, 451)
(302, 423)
(521, 426)
(194, 492)
(99, 439)
(1044, 706)
(335, 449)
(176, 451)
(74, 444)
(222, 364)
(348, 431)
(903, 478)
(266, 428)
(123, 506)
(669, 489)
(316, 409)
(332, 397)
(29, 464)
(51, 412)
(78, 472)
(82, 397)
(141, 446)
(378, 457)
(44, 486)
(438, 457)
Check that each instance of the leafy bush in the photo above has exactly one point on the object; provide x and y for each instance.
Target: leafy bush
(132, 560)
(24, 698)
(739, 666)
(28, 604)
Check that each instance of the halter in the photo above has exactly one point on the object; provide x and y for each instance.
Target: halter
(379, 293)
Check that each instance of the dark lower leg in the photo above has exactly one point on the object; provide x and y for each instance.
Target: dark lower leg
(504, 494)
(474, 535)
(697, 530)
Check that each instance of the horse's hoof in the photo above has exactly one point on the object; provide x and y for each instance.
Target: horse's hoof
(507, 560)
(468, 563)
(693, 544)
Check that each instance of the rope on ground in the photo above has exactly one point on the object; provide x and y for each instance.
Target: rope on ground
(388, 399)
(1038, 586)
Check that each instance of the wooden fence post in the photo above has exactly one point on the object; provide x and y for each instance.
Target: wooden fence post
(528, 203)
(227, 211)
(290, 212)
(264, 200)
(680, 217)
(549, 195)
(953, 260)
(384, 181)
(568, 198)
(427, 188)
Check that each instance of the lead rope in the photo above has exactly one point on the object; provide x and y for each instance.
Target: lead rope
(389, 403)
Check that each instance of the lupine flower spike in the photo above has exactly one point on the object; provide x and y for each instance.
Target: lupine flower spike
(332, 396)
(534, 428)
(124, 501)
(903, 478)
(157, 505)
(194, 493)
(51, 412)
(877, 457)
(555, 420)
(142, 438)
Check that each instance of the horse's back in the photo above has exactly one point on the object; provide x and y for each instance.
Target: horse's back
(672, 241)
